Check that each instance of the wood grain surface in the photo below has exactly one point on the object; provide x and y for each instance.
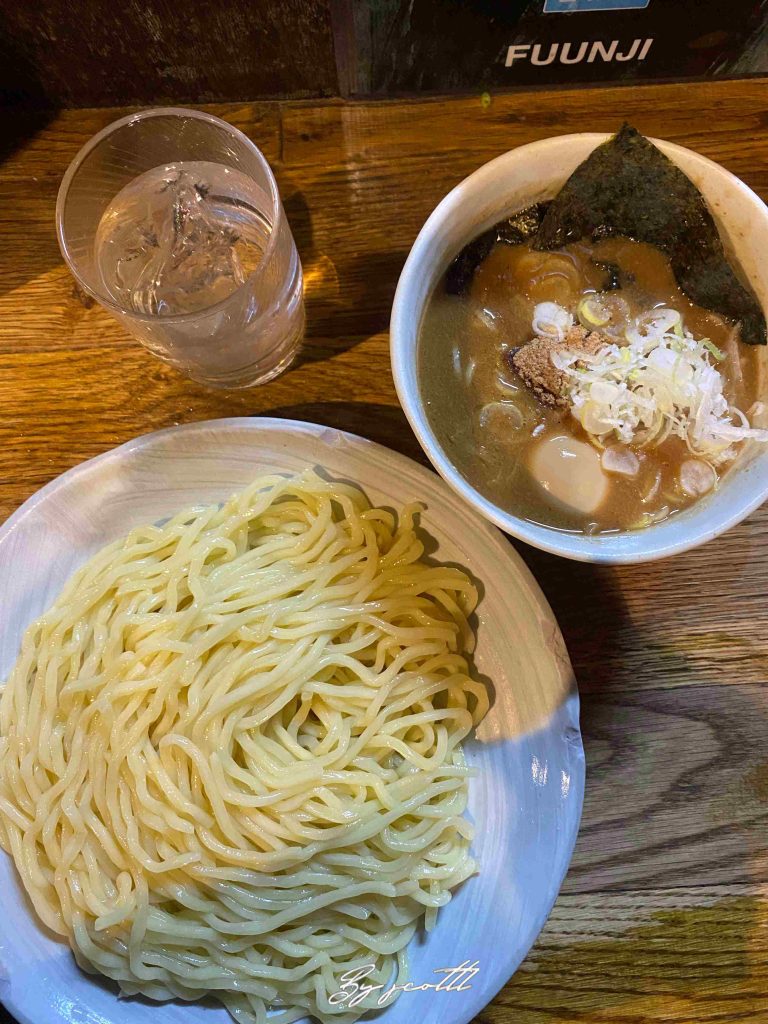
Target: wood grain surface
(664, 914)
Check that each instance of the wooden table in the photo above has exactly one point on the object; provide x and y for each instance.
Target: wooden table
(663, 914)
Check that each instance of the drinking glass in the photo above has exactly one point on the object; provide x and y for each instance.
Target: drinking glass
(171, 219)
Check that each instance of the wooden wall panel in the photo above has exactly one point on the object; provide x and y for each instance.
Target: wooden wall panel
(99, 52)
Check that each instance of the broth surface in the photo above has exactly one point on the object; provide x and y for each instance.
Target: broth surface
(488, 421)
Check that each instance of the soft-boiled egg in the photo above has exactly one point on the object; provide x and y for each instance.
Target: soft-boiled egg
(570, 472)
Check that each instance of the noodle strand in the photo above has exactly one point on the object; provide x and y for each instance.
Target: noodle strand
(230, 752)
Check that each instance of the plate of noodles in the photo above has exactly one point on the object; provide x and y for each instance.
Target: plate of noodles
(286, 732)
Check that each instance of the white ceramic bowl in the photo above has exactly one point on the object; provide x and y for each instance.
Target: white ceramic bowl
(502, 187)
(525, 800)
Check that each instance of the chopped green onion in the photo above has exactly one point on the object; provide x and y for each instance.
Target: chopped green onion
(662, 385)
(712, 348)
(642, 523)
(592, 313)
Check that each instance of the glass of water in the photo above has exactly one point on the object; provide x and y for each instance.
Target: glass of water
(172, 221)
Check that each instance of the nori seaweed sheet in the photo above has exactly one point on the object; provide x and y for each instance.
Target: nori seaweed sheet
(615, 277)
(514, 230)
(628, 187)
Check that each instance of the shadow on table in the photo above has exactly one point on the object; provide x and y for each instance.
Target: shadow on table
(348, 296)
(18, 124)
(590, 610)
(25, 112)
(25, 109)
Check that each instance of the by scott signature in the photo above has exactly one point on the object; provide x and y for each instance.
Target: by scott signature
(355, 988)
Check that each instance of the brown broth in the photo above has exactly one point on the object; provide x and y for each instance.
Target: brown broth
(464, 373)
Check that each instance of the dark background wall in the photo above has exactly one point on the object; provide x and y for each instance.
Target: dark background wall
(103, 52)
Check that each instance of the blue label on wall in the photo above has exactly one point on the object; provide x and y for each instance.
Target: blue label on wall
(568, 6)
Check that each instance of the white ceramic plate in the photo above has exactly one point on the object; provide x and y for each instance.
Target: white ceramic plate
(525, 801)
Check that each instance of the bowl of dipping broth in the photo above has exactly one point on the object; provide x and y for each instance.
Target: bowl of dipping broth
(578, 397)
